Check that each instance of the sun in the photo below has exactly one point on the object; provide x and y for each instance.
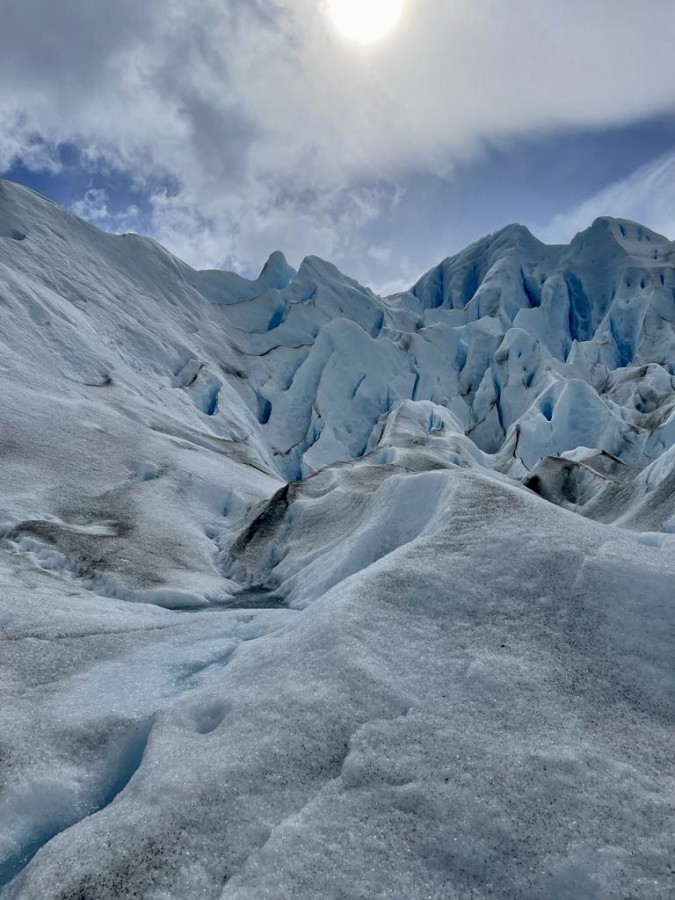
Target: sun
(365, 21)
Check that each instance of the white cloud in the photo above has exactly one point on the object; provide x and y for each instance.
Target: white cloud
(646, 196)
(93, 206)
(18, 142)
(279, 134)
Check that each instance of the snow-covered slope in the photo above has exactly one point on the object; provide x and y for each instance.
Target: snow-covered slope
(306, 592)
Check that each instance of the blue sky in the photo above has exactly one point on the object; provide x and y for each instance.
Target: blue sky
(230, 129)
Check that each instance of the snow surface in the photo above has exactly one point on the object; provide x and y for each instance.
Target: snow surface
(309, 593)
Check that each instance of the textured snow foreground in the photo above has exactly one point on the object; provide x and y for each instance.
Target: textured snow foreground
(306, 593)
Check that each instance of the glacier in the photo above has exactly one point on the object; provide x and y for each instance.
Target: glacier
(307, 592)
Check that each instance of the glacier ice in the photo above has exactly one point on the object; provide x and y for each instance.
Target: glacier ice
(307, 592)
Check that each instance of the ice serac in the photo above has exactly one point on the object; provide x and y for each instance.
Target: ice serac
(307, 592)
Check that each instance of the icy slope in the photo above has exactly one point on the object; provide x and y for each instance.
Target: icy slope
(536, 350)
(288, 604)
(438, 724)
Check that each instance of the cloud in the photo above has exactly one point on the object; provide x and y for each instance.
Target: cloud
(94, 207)
(275, 132)
(646, 196)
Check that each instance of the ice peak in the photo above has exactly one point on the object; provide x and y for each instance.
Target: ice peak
(513, 233)
(630, 236)
(277, 273)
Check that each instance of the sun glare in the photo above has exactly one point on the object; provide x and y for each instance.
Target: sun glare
(365, 21)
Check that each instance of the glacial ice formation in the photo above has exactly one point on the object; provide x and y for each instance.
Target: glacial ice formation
(307, 592)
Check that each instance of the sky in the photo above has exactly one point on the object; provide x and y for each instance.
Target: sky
(227, 129)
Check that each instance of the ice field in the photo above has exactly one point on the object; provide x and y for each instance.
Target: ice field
(311, 593)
